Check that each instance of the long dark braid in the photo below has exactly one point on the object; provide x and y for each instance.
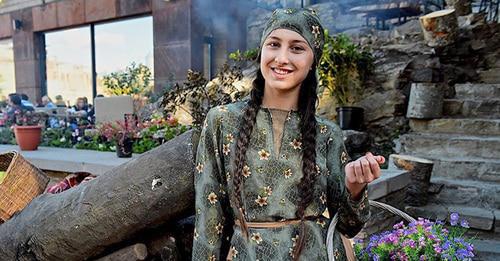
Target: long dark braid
(247, 123)
(307, 109)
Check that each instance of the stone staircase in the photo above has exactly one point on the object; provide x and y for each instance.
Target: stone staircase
(465, 146)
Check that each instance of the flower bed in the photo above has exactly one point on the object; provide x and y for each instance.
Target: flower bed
(145, 135)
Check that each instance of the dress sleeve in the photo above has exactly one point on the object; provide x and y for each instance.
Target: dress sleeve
(353, 214)
(210, 194)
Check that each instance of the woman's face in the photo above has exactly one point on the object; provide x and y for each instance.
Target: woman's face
(286, 59)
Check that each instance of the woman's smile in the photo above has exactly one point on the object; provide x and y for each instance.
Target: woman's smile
(281, 73)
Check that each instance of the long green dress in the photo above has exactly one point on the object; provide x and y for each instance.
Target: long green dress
(270, 189)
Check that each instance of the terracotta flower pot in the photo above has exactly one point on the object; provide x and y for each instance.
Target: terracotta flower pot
(28, 137)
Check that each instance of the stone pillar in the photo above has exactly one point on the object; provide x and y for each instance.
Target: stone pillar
(178, 42)
(27, 48)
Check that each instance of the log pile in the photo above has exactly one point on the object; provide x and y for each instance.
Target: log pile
(82, 222)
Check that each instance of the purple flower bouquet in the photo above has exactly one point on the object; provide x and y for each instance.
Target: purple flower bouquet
(420, 240)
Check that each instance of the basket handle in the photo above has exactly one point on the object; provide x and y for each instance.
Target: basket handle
(333, 224)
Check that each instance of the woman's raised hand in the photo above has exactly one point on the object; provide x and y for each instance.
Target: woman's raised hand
(361, 172)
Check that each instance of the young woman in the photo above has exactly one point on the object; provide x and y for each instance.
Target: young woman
(270, 174)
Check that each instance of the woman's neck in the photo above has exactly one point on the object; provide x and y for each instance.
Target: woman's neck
(281, 100)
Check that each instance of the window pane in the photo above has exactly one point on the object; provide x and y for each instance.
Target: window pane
(69, 64)
(7, 74)
(118, 44)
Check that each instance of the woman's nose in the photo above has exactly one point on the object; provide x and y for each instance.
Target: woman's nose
(281, 57)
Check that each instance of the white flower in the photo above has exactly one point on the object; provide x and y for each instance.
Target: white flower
(63, 139)
(257, 238)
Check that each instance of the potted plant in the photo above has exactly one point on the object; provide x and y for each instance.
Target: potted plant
(123, 133)
(342, 70)
(27, 129)
(420, 240)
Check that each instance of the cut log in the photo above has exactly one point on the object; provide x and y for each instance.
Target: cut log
(440, 27)
(426, 101)
(82, 222)
(135, 252)
(462, 7)
(420, 174)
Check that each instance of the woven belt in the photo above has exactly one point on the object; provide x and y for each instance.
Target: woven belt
(275, 224)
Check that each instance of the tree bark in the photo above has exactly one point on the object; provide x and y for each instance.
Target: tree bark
(440, 27)
(420, 174)
(426, 101)
(131, 253)
(462, 7)
(81, 222)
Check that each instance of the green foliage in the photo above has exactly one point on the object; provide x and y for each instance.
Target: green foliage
(135, 79)
(57, 137)
(144, 144)
(95, 142)
(343, 68)
(7, 136)
(248, 55)
(200, 95)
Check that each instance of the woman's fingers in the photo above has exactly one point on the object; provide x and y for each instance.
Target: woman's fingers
(351, 177)
(379, 159)
(374, 166)
(367, 172)
(364, 170)
(358, 171)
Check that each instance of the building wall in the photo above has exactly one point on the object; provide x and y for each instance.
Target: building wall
(178, 29)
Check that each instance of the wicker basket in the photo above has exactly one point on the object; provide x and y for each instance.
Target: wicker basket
(22, 183)
(333, 224)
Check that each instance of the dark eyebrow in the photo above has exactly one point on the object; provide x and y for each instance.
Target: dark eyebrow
(293, 41)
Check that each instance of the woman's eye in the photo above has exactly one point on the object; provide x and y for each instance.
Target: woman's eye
(273, 44)
(297, 48)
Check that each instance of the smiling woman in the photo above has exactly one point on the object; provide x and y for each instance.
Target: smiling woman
(268, 169)
(286, 60)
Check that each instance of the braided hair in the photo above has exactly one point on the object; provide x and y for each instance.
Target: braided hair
(307, 108)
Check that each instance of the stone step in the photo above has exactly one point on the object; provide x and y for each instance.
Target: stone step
(459, 126)
(487, 108)
(486, 250)
(477, 90)
(478, 218)
(450, 145)
(468, 168)
(467, 192)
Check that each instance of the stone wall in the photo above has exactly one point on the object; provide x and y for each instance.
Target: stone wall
(386, 93)
(402, 58)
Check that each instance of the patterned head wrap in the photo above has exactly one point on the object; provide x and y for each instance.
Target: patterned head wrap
(302, 21)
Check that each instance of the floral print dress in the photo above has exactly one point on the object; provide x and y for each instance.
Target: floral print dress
(270, 190)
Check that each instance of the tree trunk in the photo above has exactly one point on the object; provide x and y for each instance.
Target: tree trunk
(81, 222)
(426, 101)
(440, 27)
(420, 174)
(131, 253)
